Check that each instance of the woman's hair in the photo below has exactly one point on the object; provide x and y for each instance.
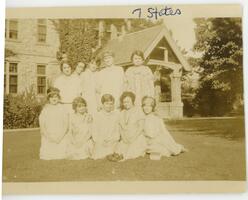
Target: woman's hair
(77, 101)
(81, 63)
(149, 99)
(107, 98)
(94, 60)
(124, 95)
(52, 91)
(107, 53)
(137, 53)
(62, 63)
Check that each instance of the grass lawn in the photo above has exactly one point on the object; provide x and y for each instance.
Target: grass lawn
(216, 152)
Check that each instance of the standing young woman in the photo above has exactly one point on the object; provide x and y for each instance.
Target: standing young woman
(68, 85)
(110, 79)
(139, 78)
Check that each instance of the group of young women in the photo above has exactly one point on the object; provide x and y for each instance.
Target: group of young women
(102, 113)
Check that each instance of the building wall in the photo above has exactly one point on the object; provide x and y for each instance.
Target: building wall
(29, 52)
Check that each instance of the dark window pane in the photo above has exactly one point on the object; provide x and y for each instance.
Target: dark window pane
(13, 84)
(13, 89)
(41, 69)
(41, 90)
(41, 85)
(13, 67)
(13, 24)
(13, 29)
(13, 80)
(42, 30)
(41, 81)
(42, 21)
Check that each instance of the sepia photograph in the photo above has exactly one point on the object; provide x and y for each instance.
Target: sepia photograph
(123, 99)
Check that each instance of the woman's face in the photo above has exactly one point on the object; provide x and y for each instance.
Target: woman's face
(147, 108)
(108, 60)
(108, 106)
(79, 68)
(127, 103)
(54, 99)
(66, 69)
(81, 109)
(137, 60)
(92, 67)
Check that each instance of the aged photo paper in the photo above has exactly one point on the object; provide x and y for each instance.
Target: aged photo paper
(124, 99)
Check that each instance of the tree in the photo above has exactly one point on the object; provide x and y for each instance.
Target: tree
(221, 82)
(77, 38)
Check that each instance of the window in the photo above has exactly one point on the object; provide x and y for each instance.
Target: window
(42, 30)
(10, 77)
(41, 79)
(13, 78)
(13, 29)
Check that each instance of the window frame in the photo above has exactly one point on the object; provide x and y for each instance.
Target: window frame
(8, 31)
(40, 33)
(41, 75)
(7, 77)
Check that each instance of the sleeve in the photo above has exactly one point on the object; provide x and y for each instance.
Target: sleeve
(94, 129)
(80, 85)
(122, 86)
(128, 80)
(66, 127)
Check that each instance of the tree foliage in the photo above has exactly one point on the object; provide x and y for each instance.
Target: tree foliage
(22, 110)
(77, 38)
(221, 82)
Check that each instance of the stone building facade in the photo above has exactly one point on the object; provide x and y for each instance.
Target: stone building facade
(34, 44)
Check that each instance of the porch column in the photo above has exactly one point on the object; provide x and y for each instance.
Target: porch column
(176, 106)
(157, 84)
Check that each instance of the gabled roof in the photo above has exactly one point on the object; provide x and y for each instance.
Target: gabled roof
(144, 40)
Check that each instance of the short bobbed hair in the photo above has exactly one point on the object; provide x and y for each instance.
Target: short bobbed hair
(108, 53)
(62, 63)
(107, 98)
(150, 100)
(78, 101)
(53, 91)
(127, 94)
(138, 53)
(94, 60)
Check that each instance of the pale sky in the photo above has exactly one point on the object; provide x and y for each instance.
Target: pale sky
(183, 31)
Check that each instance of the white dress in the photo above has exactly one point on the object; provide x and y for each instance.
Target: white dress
(105, 133)
(70, 88)
(54, 132)
(89, 90)
(80, 145)
(111, 81)
(133, 142)
(159, 139)
(140, 81)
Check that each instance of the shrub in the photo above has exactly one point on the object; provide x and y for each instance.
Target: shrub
(22, 110)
